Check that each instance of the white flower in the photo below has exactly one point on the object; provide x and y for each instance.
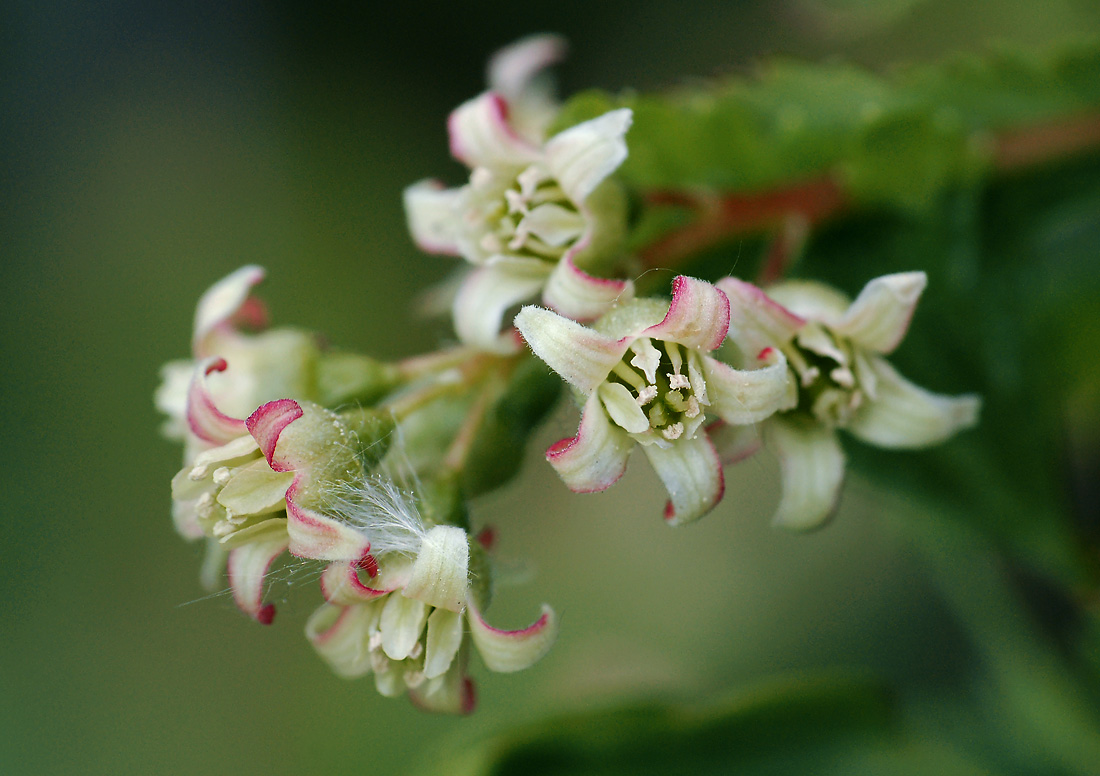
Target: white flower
(534, 216)
(834, 349)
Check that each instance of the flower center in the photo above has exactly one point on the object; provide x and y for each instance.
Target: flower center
(828, 386)
(528, 216)
(666, 387)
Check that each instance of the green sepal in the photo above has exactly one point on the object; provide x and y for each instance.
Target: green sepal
(374, 433)
(351, 378)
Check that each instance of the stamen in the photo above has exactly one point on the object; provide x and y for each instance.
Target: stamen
(673, 432)
(646, 395)
(674, 356)
(692, 410)
(517, 203)
(678, 381)
(843, 376)
(481, 177)
(675, 399)
(222, 475)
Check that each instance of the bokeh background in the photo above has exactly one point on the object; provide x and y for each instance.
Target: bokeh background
(150, 149)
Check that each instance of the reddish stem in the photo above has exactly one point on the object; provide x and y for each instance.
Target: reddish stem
(723, 216)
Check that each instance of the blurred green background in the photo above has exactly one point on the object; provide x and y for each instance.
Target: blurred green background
(150, 149)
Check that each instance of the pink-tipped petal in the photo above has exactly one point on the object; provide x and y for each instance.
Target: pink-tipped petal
(698, 316)
(247, 568)
(432, 214)
(756, 321)
(340, 584)
(904, 415)
(341, 635)
(267, 423)
(506, 651)
(575, 294)
(440, 574)
(316, 536)
(482, 136)
(811, 464)
(512, 68)
(204, 419)
(733, 443)
(880, 316)
(747, 396)
(401, 624)
(583, 156)
(692, 474)
(486, 294)
(221, 303)
(581, 356)
(596, 457)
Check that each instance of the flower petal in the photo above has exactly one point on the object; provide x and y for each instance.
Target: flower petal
(692, 475)
(401, 624)
(583, 156)
(266, 425)
(812, 466)
(485, 296)
(440, 572)
(553, 224)
(581, 356)
(247, 568)
(698, 317)
(903, 415)
(481, 135)
(747, 396)
(451, 693)
(756, 321)
(316, 536)
(445, 629)
(575, 294)
(880, 316)
(596, 457)
(507, 651)
(206, 421)
(341, 635)
(733, 443)
(512, 68)
(433, 218)
(221, 303)
(340, 584)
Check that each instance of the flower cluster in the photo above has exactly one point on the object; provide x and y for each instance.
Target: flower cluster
(270, 483)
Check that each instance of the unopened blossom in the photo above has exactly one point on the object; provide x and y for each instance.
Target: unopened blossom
(537, 216)
(410, 611)
(260, 486)
(834, 349)
(644, 375)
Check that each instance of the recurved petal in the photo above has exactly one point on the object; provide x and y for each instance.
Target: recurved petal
(204, 419)
(692, 475)
(247, 568)
(880, 315)
(482, 136)
(756, 321)
(512, 650)
(341, 635)
(698, 316)
(433, 216)
(903, 415)
(746, 396)
(581, 356)
(596, 457)
(812, 468)
(486, 294)
(221, 303)
(440, 572)
(583, 156)
(575, 294)
(317, 536)
(341, 584)
(512, 68)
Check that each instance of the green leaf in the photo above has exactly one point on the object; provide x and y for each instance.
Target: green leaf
(894, 140)
(820, 725)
